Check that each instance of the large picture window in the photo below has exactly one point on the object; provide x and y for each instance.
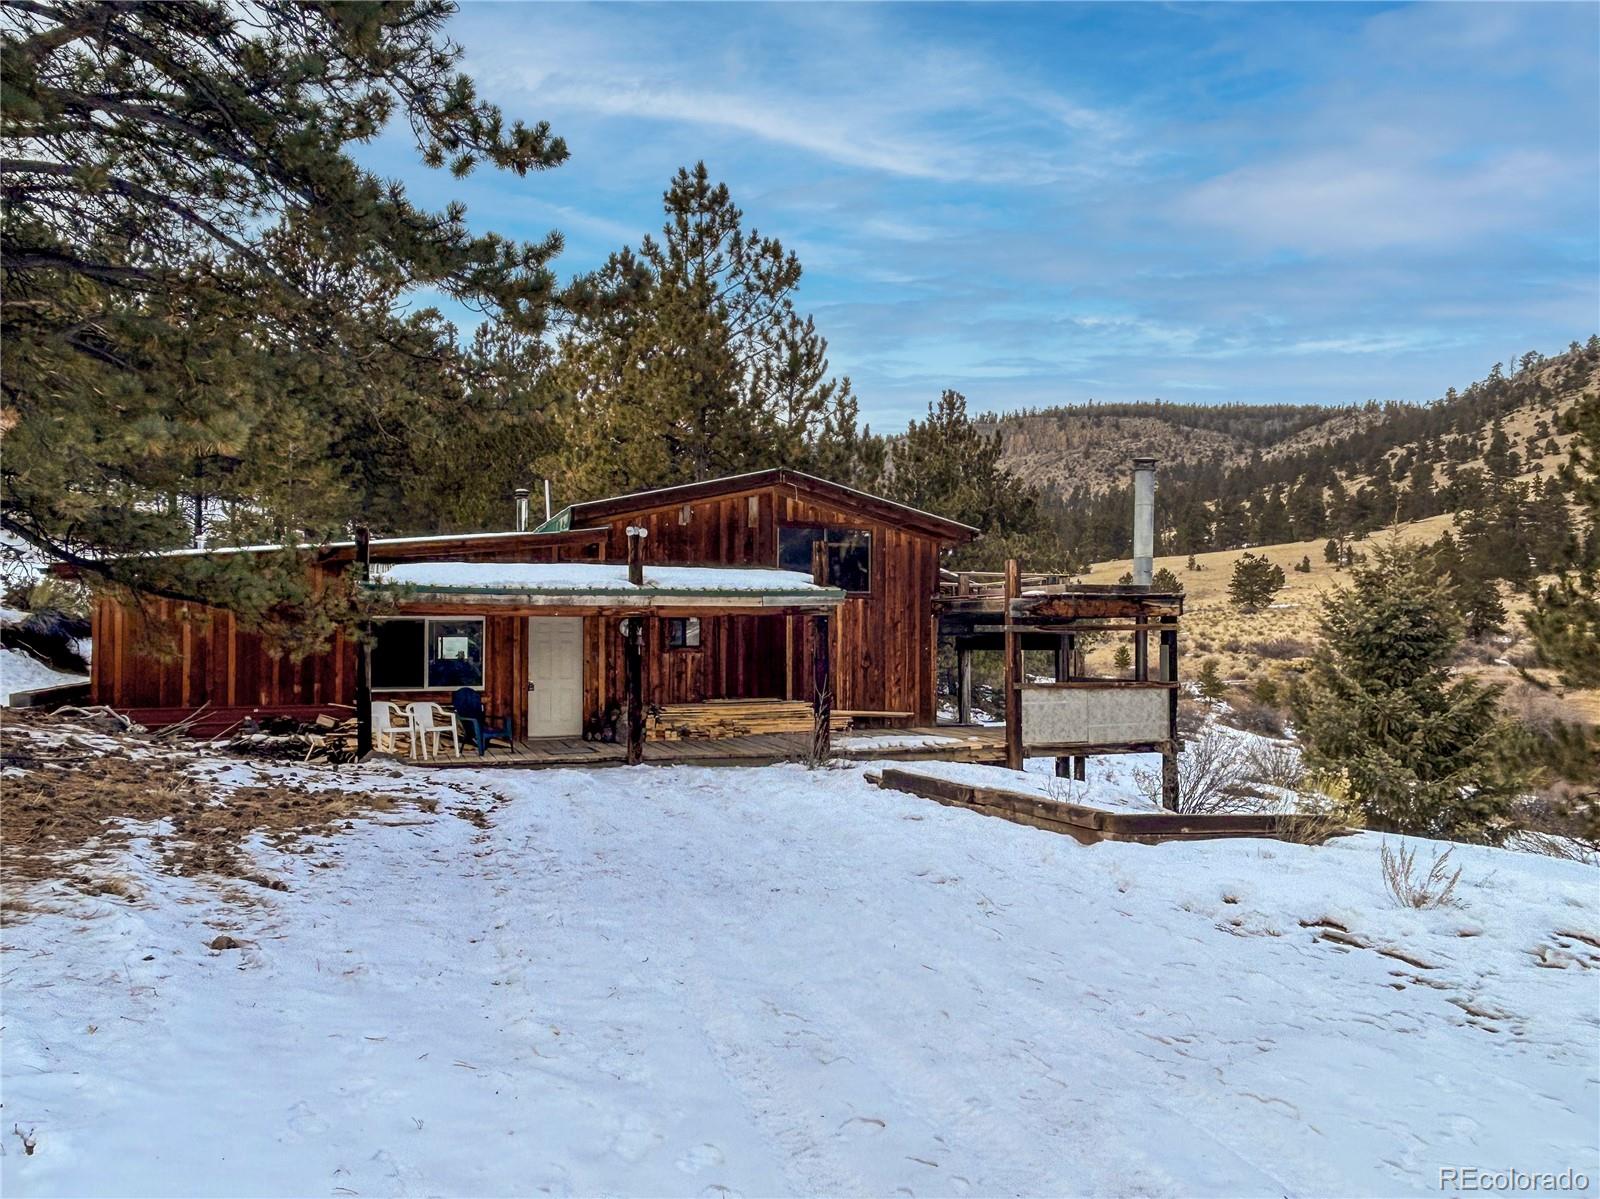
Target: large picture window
(849, 553)
(427, 654)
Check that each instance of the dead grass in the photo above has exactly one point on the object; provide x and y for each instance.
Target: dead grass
(1433, 888)
(72, 799)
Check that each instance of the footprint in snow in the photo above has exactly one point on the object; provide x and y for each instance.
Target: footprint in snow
(701, 1157)
(305, 1122)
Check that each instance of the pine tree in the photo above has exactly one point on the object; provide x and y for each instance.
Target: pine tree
(1304, 565)
(1165, 580)
(1123, 658)
(1330, 553)
(947, 464)
(689, 361)
(1425, 754)
(1565, 618)
(1208, 680)
(1191, 564)
(1255, 580)
(204, 289)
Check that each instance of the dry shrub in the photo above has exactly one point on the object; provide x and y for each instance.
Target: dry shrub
(1277, 764)
(1191, 716)
(77, 801)
(1434, 889)
(1323, 808)
(1283, 649)
(1213, 776)
(1267, 720)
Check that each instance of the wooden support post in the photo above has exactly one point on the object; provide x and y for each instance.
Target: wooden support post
(1169, 674)
(633, 686)
(963, 684)
(1141, 654)
(822, 697)
(1064, 766)
(1014, 680)
(363, 653)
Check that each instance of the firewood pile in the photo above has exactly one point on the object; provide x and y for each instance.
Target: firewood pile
(283, 738)
(732, 718)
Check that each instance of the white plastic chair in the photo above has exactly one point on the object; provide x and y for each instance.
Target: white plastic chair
(390, 722)
(430, 722)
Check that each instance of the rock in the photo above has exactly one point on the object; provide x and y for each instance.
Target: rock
(223, 941)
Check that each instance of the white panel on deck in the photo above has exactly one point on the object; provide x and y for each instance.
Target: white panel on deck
(1093, 715)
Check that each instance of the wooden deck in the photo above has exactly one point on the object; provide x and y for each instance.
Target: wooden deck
(957, 743)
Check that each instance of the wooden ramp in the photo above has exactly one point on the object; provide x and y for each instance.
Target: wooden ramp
(945, 743)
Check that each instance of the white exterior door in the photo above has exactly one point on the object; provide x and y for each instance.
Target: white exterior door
(555, 676)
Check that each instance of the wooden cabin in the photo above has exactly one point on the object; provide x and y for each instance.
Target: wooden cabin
(739, 573)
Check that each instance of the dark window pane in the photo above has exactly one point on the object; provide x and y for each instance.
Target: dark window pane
(683, 632)
(794, 547)
(397, 653)
(849, 554)
(850, 559)
(455, 653)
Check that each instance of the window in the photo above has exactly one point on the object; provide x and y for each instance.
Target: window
(849, 553)
(427, 654)
(683, 633)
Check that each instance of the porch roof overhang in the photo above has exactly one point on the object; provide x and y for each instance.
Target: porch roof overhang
(602, 586)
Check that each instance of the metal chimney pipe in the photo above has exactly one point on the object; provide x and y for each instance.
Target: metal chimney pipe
(522, 509)
(547, 499)
(636, 536)
(1144, 521)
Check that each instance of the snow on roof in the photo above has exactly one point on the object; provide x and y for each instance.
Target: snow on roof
(597, 578)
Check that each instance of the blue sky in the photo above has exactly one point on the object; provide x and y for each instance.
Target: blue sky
(1042, 204)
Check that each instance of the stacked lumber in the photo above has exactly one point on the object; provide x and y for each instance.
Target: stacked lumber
(732, 718)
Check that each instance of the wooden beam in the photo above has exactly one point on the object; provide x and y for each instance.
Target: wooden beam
(363, 653)
(822, 700)
(963, 684)
(1169, 676)
(1013, 652)
(633, 687)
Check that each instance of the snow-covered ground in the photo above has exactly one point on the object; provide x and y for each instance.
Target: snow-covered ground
(21, 671)
(768, 981)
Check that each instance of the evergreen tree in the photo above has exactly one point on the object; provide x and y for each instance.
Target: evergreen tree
(1565, 618)
(1165, 580)
(1255, 580)
(946, 464)
(1425, 754)
(182, 238)
(689, 361)
(1330, 553)
(1123, 658)
(1209, 681)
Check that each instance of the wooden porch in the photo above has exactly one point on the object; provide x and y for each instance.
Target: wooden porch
(949, 743)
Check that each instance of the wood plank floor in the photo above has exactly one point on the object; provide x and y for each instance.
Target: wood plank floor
(961, 743)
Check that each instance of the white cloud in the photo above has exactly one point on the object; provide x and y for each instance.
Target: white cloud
(1374, 196)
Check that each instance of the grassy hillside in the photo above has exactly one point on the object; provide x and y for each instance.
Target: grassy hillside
(1249, 647)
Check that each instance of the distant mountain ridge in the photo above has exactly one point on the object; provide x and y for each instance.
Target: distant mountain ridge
(1236, 475)
(1088, 446)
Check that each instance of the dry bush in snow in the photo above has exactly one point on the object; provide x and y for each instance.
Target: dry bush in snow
(1322, 807)
(1434, 889)
(1214, 775)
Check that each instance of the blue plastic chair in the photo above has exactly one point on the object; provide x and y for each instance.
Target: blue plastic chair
(467, 705)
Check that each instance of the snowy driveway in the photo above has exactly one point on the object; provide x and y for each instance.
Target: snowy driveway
(682, 981)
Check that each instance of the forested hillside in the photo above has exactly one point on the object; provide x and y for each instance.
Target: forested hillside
(1236, 475)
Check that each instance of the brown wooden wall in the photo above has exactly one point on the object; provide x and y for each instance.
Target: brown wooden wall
(883, 649)
(884, 643)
